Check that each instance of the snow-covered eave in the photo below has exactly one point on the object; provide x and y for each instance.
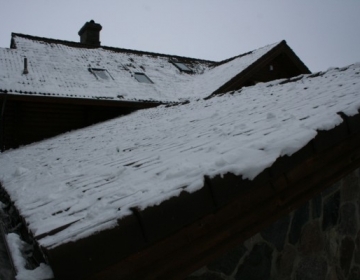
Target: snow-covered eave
(180, 235)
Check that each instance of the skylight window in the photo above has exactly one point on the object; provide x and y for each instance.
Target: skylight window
(142, 78)
(100, 73)
(182, 67)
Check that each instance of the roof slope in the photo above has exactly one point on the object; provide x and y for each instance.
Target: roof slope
(83, 182)
(61, 68)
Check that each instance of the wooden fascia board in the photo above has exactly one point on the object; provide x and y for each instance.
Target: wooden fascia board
(79, 101)
(200, 242)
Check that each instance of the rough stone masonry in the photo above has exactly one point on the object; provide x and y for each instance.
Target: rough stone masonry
(318, 241)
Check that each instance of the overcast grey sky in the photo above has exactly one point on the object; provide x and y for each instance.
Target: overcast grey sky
(323, 33)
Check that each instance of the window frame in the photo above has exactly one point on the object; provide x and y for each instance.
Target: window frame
(177, 64)
(143, 75)
(99, 77)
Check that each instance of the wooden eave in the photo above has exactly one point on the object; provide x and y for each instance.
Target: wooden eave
(173, 239)
(80, 101)
(239, 80)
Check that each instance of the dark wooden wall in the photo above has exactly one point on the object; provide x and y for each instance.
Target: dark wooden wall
(282, 67)
(27, 122)
(278, 66)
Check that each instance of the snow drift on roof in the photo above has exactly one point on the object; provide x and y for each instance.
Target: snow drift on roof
(91, 177)
(63, 70)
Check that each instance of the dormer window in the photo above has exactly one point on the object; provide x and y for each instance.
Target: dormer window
(181, 66)
(100, 73)
(142, 78)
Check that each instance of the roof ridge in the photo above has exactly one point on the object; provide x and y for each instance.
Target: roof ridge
(114, 49)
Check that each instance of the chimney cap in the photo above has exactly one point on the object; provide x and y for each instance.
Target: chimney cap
(90, 25)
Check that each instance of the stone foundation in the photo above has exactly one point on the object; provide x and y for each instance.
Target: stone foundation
(318, 241)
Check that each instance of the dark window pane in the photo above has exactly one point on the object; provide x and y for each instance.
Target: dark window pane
(101, 73)
(142, 78)
(182, 66)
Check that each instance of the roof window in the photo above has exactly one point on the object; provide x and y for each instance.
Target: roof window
(100, 73)
(181, 66)
(142, 78)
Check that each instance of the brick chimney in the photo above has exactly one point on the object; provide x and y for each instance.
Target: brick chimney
(90, 33)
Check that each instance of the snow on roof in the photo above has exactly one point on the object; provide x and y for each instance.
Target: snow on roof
(65, 70)
(90, 178)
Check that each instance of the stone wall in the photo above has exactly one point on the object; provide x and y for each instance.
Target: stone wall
(318, 241)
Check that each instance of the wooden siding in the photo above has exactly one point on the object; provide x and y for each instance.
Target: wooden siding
(282, 67)
(28, 122)
(285, 65)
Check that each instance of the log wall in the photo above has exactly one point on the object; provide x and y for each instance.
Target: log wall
(27, 122)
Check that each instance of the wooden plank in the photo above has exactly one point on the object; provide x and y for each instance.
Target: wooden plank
(28, 122)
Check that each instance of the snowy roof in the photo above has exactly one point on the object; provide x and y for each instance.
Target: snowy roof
(68, 69)
(85, 181)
